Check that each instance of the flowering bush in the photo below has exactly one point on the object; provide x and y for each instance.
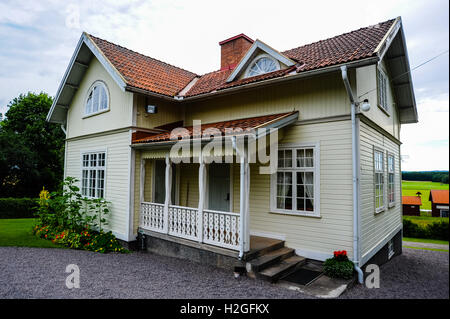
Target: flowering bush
(340, 255)
(68, 219)
(339, 266)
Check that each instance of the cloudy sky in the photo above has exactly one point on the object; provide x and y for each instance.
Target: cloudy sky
(37, 39)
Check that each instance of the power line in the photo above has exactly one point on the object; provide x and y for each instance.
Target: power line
(414, 68)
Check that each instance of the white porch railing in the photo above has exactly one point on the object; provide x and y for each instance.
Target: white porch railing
(152, 217)
(219, 228)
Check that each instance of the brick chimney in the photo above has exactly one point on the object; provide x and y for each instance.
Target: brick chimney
(233, 49)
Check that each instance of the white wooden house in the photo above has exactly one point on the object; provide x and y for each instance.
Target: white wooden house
(336, 106)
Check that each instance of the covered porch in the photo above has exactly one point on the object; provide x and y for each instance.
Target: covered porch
(202, 198)
(196, 201)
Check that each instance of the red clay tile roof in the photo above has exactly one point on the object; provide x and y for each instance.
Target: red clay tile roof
(209, 82)
(343, 48)
(143, 72)
(152, 75)
(439, 196)
(245, 124)
(411, 200)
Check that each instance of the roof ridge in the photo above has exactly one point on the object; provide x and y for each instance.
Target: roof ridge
(339, 35)
(141, 54)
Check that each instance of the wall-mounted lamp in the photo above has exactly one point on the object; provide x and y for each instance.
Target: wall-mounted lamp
(151, 109)
(365, 105)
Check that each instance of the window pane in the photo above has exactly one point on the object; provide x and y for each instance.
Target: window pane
(288, 158)
(280, 190)
(89, 104)
(288, 203)
(103, 98)
(281, 159)
(280, 202)
(309, 204)
(300, 204)
(300, 190)
(95, 99)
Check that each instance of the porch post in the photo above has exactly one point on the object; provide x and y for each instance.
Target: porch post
(201, 201)
(244, 197)
(168, 198)
(142, 182)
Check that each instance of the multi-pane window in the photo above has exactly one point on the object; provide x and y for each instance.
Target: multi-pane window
(93, 174)
(379, 180)
(382, 90)
(262, 65)
(97, 99)
(295, 182)
(391, 179)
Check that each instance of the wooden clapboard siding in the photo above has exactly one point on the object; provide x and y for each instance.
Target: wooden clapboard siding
(117, 173)
(168, 112)
(189, 195)
(366, 84)
(118, 116)
(376, 227)
(317, 97)
(334, 229)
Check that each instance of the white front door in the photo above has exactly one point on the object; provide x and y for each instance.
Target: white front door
(219, 187)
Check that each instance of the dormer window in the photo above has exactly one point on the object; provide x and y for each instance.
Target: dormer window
(261, 65)
(97, 99)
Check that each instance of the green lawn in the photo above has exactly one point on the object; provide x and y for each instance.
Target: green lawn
(18, 233)
(427, 241)
(410, 188)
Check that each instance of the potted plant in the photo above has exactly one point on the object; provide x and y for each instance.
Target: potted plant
(339, 266)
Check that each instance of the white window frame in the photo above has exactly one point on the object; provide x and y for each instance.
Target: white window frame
(382, 90)
(277, 63)
(316, 171)
(105, 87)
(391, 186)
(379, 209)
(95, 168)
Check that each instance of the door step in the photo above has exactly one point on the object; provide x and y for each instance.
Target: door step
(281, 269)
(268, 259)
(262, 262)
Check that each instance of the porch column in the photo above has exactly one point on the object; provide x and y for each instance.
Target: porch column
(142, 182)
(244, 200)
(201, 202)
(168, 198)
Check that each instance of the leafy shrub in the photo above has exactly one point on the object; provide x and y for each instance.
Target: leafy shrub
(436, 230)
(17, 208)
(67, 218)
(413, 230)
(339, 266)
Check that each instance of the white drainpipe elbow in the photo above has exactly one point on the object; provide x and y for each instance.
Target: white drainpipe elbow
(360, 273)
(63, 129)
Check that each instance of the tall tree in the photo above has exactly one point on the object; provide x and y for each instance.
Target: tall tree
(31, 149)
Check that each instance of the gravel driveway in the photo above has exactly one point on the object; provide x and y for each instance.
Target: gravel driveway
(416, 273)
(40, 273)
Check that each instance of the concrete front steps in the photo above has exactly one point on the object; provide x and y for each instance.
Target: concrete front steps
(270, 260)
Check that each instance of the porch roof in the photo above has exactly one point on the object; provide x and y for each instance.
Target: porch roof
(237, 127)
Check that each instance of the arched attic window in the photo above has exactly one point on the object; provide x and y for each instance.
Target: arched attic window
(97, 99)
(262, 64)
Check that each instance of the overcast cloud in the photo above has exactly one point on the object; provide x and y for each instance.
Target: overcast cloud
(37, 39)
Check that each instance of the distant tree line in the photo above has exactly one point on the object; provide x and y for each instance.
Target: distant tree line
(433, 176)
(31, 149)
